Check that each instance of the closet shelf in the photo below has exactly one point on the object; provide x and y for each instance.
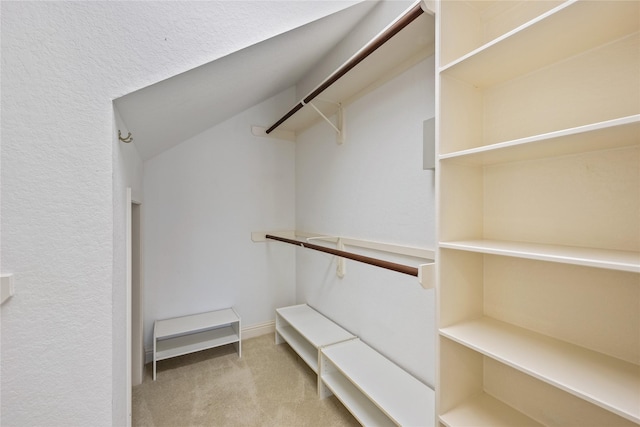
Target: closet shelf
(404, 399)
(410, 251)
(187, 334)
(306, 331)
(590, 257)
(400, 268)
(307, 352)
(483, 410)
(185, 344)
(610, 134)
(424, 272)
(605, 381)
(377, 61)
(581, 24)
(361, 407)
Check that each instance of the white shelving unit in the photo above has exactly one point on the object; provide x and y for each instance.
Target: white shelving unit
(538, 140)
(187, 334)
(307, 331)
(374, 389)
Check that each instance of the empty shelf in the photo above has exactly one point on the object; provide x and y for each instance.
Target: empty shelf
(398, 394)
(607, 382)
(313, 326)
(305, 350)
(590, 257)
(177, 346)
(610, 134)
(192, 323)
(357, 403)
(592, 23)
(485, 411)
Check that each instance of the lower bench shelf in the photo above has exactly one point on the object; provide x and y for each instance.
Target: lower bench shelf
(307, 331)
(374, 389)
(188, 334)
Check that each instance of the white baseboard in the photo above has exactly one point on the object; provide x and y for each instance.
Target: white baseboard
(259, 330)
(246, 333)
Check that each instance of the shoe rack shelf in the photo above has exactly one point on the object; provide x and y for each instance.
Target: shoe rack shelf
(187, 334)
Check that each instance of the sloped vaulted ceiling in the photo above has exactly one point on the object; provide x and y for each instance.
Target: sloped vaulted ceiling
(163, 115)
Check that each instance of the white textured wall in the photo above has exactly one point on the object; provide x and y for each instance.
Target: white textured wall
(62, 353)
(203, 198)
(373, 187)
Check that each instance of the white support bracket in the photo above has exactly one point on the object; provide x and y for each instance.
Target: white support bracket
(341, 268)
(340, 128)
(6, 287)
(427, 275)
(428, 6)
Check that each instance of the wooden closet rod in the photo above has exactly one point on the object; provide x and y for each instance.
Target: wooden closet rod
(411, 271)
(374, 44)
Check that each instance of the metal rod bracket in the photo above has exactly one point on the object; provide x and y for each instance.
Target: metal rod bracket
(340, 127)
(341, 268)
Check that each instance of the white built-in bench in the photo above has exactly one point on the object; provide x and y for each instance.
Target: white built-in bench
(373, 388)
(188, 334)
(307, 331)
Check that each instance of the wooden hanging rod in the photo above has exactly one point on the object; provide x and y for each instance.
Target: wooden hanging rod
(411, 271)
(374, 44)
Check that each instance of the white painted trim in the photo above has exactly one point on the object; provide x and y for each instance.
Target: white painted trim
(426, 271)
(128, 306)
(137, 288)
(427, 275)
(258, 330)
(367, 244)
(249, 332)
(428, 254)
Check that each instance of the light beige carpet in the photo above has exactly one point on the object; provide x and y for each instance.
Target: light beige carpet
(269, 386)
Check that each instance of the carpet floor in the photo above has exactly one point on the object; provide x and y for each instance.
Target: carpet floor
(269, 386)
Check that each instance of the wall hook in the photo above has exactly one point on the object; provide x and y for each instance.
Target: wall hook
(126, 139)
